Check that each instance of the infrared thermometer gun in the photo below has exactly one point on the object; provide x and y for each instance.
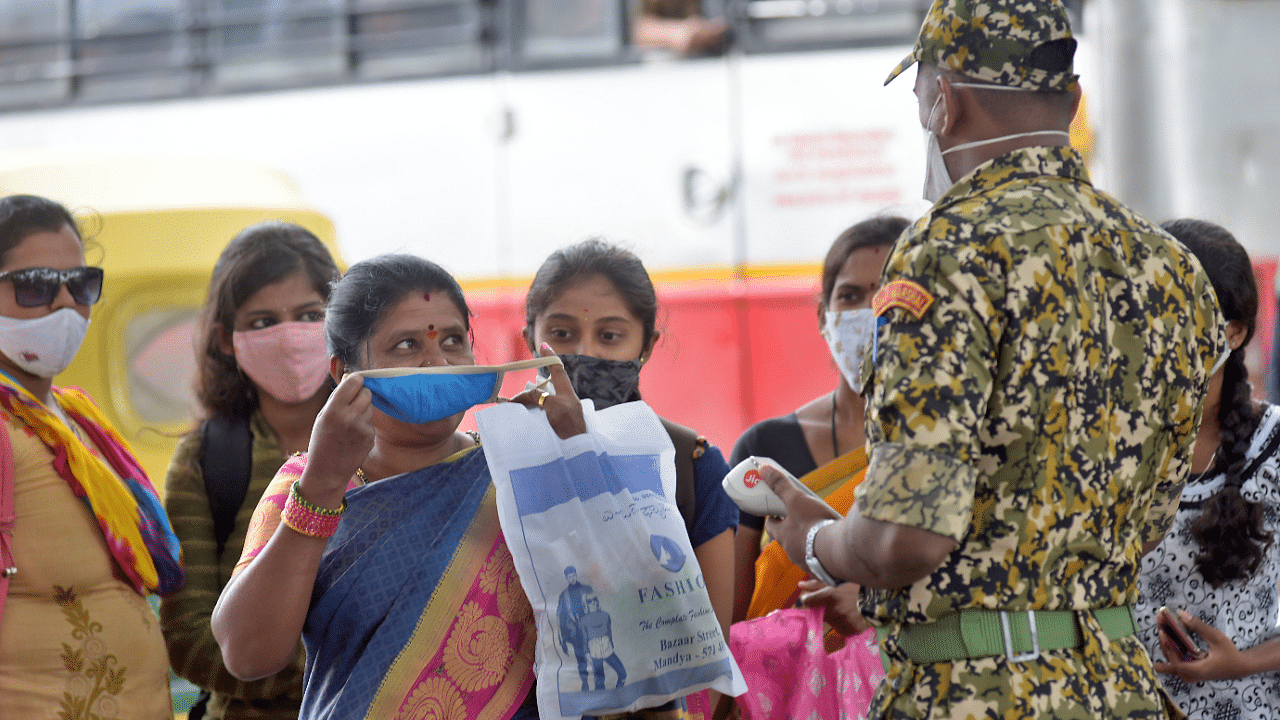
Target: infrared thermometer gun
(746, 488)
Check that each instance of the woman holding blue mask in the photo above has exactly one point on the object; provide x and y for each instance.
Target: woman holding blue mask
(381, 546)
(594, 305)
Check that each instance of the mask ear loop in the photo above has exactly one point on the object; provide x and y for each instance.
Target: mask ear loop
(933, 111)
(543, 384)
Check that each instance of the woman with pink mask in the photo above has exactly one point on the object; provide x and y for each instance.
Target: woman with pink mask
(262, 379)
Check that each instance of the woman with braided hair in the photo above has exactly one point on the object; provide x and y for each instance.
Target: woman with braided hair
(1219, 566)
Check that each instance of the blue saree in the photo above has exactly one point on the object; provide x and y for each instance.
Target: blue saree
(417, 611)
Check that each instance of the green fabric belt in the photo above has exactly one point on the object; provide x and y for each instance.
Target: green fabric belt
(980, 633)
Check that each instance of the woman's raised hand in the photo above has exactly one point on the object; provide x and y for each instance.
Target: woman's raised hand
(564, 410)
(340, 442)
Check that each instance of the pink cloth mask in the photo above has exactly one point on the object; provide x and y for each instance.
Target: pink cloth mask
(288, 361)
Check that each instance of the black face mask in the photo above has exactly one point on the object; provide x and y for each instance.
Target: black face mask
(606, 382)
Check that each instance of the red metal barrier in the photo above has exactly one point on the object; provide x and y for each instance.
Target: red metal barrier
(731, 352)
(735, 352)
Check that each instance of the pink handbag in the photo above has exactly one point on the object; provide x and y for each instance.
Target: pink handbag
(789, 673)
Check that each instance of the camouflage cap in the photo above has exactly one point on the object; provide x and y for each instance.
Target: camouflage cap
(996, 40)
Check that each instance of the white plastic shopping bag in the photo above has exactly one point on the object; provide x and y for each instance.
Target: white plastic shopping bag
(622, 612)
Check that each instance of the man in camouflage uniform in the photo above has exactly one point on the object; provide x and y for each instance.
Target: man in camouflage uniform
(1033, 394)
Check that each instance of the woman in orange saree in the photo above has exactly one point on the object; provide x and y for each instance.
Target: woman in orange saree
(821, 442)
(790, 664)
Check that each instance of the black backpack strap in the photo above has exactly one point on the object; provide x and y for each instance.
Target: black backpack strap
(226, 461)
(688, 446)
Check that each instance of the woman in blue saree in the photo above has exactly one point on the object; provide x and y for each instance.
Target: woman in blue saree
(381, 545)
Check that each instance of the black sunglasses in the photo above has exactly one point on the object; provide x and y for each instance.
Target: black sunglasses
(33, 287)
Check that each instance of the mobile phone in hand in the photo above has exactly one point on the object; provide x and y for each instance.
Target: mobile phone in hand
(1182, 638)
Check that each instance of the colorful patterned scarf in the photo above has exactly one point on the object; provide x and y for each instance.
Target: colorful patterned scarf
(127, 508)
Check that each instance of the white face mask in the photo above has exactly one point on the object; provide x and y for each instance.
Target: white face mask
(937, 178)
(43, 346)
(849, 334)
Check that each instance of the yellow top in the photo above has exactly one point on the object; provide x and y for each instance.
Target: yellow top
(74, 630)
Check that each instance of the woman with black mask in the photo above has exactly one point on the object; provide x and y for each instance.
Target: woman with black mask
(595, 305)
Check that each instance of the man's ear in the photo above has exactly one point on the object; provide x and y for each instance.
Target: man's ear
(949, 107)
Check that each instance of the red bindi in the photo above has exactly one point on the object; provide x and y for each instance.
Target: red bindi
(426, 296)
(432, 334)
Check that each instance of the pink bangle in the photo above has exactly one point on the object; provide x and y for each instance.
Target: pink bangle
(310, 520)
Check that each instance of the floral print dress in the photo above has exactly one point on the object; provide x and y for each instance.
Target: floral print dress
(1246, 610)
(77, 641)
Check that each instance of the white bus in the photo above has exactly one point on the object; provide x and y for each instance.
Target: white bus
(484, 133)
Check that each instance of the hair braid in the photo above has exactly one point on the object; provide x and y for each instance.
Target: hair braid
(1229, 529)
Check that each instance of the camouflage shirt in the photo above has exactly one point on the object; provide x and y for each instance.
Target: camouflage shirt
(1035, 389)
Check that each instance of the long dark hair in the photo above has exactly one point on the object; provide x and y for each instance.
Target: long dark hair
(879, 231)
(371, 287)
(1229, 529)
(619, 266)
(258, 256)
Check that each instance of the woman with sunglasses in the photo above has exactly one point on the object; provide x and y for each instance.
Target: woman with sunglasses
(263, 375)
(83, 538)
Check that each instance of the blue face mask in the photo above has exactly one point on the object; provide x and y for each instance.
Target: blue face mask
(425, 394)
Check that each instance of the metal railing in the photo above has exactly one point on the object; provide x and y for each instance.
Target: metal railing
(209, 47)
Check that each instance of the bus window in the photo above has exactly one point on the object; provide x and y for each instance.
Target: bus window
(256, 43)
(794, 24)
(564, 29)
(34, 47)
(132, 48)
(399, 38)
(688, 28)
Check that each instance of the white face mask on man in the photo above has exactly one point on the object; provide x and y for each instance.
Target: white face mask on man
(937, 178)
(43, 346)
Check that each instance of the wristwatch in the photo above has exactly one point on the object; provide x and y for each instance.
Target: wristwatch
(811, 559)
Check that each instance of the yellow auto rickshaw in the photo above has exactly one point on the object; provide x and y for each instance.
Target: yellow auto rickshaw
(156, 224)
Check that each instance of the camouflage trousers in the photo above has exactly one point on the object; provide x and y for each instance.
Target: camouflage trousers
(1092, 682)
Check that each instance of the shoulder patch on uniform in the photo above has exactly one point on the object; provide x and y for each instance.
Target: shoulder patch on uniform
(905, 294)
